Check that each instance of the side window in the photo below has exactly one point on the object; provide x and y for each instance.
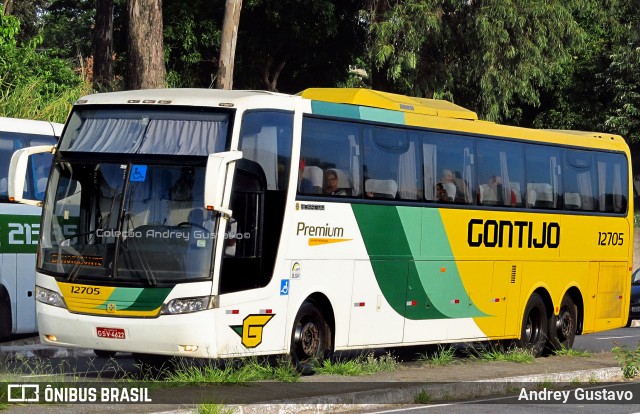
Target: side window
(612, 183)
(579, 181)
(37, 170)
(6, 150)
(500, 173)
(265, 138)
(543, 177)
(448, 168)
(389, 165)
(330, 158)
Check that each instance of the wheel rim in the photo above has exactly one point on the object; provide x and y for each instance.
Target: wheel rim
(308, 338)
(565, 323)
(532, 330)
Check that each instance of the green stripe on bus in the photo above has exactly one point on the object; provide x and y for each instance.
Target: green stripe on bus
(357, 112)
(410, 278)
(138, 299)
(335, 110)
(19, 234)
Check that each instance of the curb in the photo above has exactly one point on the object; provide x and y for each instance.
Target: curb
(381, 399)
(42, 351)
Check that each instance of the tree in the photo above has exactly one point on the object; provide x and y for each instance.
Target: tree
(289, 45)
(228, 41)
(103, 45)
(491, 55)
(145, 52)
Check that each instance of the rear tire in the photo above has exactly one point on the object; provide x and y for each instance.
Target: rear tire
(533, 334)
(629, 322)
(309, 338)
(562, 328)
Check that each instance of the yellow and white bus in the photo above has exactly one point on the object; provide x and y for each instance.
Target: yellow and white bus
(212, 223)
(20, 223)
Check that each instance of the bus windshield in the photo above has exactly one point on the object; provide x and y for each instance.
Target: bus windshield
(127, 222)
(136, 221)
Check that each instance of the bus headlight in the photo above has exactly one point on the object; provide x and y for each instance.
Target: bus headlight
(187, 305)
(49, 297)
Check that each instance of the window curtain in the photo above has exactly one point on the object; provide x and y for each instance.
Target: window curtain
(164, 136)
(354, 164)
(408, 173)
(109, 135)
(430, 170)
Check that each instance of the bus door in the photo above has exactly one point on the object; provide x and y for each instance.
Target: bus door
(252, 305)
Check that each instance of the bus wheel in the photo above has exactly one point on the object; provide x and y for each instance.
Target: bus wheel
(562, 330)
(104, 354)
(309, 339)
(533, 335)
(5, 314)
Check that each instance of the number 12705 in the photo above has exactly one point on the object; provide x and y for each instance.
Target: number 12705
(607, 238)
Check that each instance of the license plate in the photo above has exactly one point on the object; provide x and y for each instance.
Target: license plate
(635, 309)
(112, 333)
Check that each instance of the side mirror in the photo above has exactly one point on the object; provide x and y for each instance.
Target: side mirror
(18, 172)
(215, 179)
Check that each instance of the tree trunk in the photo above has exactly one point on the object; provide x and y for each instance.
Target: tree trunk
(103, 46)
(8, 7)
(224, 80)
(146, 54)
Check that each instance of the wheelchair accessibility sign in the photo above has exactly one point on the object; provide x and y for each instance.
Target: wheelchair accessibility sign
(284, 287)
(138, 173)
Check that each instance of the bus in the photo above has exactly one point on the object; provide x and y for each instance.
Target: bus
(20, 224)
(215, 224)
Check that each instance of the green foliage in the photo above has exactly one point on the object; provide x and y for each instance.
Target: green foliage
(491, 55)
(628, 360)
(32, 83)
(27, 101)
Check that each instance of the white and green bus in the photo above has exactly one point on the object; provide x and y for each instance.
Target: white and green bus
(211, 223)
(20, 223)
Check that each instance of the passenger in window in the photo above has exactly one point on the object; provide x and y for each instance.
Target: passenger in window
(305, 186)
(331, 184)
(448, 183)
(497, 192)
(441, 193)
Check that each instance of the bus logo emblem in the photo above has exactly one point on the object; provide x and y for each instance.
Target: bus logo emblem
(111, 307)
(251, 329)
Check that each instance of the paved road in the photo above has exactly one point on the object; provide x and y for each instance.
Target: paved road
(122, 366)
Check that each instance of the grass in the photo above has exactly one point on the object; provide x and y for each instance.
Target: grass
(445, 355)
(361, 365)
(26, 101)
(422, 397)
(520, 356)
(572, 352)
(232, 372)
(214, 409)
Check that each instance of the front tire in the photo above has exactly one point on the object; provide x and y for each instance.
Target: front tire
(309, 338)
(562, 329)
(5, 314)
(533, 334)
